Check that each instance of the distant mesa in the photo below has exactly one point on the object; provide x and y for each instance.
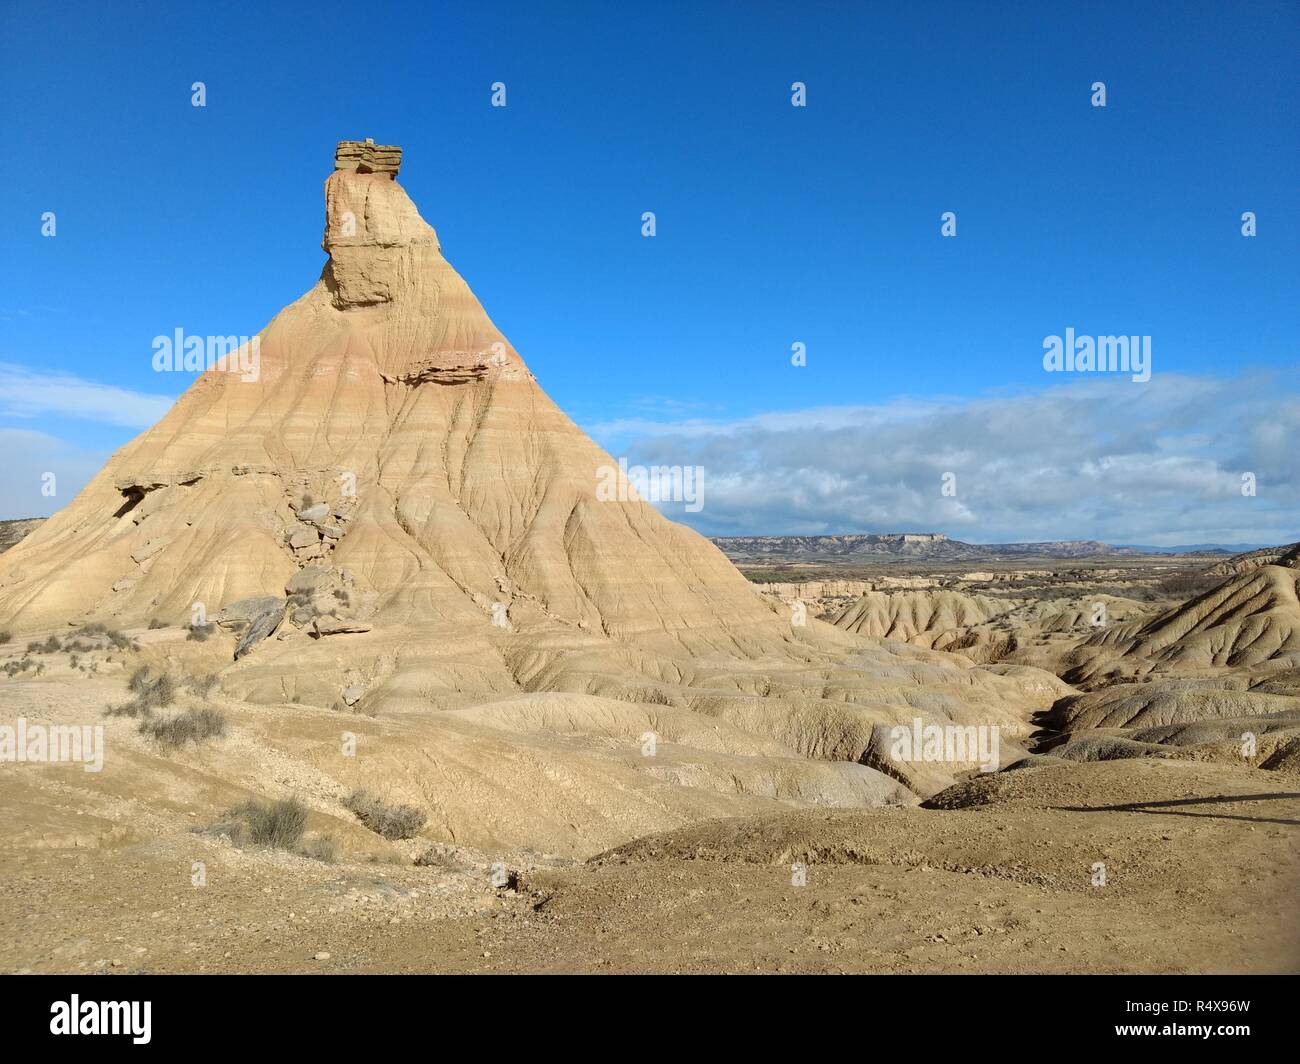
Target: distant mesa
(935, 546)
(911, 546)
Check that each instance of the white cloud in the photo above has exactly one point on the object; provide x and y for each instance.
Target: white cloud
(28, 394)
(1158, 463)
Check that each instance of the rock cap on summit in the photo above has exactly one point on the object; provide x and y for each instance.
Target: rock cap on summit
(367, 157)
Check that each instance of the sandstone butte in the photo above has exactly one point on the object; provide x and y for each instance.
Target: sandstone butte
(396, 464)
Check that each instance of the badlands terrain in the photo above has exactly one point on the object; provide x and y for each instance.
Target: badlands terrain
(386, 685)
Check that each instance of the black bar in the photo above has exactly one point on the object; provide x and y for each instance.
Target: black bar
(659, 1013)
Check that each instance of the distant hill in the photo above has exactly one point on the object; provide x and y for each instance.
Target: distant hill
(13, 531)
(926, 546)
(1253, 559)
(935, 546)
(1198, 548)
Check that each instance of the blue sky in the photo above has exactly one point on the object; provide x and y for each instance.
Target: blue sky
(776, 225)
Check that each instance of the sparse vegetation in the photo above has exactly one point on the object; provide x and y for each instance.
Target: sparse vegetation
(155, 622)
(200, 685)
(199, 633)
(277, 824)
(390, 821)
(5, 637)
(319, 848)
(100, 634)
(1189, 585)
(152, 691)
(193, 725)
(438, 857)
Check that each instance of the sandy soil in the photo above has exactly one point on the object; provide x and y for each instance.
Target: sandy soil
(1201, 875)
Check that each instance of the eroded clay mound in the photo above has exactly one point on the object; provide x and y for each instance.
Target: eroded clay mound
(1128, 784)
(980, 627)
(907, 615)
(1249, 620)
(1203, 719)
(1147, 705)
(1107, 748)
(1253, 559)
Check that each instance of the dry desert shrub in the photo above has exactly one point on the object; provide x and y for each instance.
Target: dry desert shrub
(652, 696)
(319, 848)
(5, 637)
(193, 725)
(277, 824)
(119, 640)
(438, 857)
(152, 691)
(98, 631)
(200, 685)
(390, 821)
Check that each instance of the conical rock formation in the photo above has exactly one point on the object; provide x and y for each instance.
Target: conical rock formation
(438, 474)
(391, 515)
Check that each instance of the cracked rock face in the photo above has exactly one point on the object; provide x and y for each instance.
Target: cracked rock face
(245, 611)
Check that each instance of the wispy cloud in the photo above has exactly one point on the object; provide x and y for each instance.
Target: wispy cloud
(39, 310)
(1160, 462)
(28, 394)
